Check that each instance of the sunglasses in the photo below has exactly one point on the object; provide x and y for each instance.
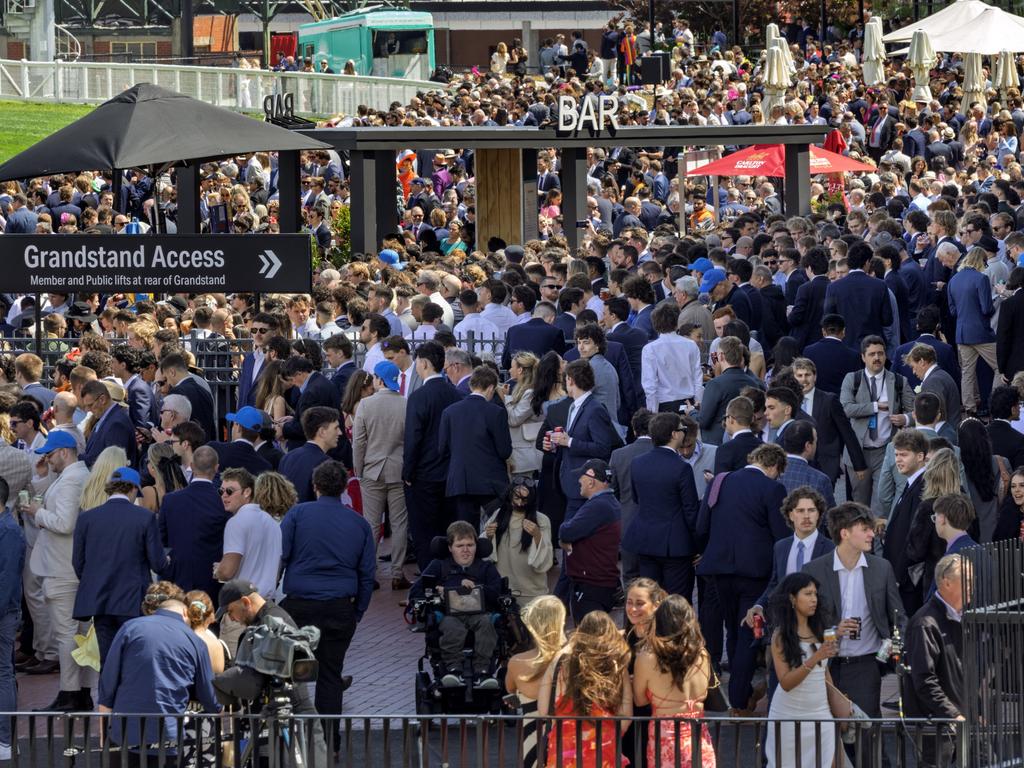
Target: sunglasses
(227, 491)
(552, 287)
(260, 331)
(160, 382)
(525, 482)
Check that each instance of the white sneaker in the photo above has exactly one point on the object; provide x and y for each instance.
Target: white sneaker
(5, 751)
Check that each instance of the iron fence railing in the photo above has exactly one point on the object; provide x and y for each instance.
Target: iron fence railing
(190, 741)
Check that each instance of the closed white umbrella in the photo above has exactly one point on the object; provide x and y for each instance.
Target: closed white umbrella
(772, 36)
(874, 53)
(776, 79)
(921, 58)
(1006, 73)
(974, 82)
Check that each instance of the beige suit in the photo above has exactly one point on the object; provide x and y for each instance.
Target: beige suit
(378, 433)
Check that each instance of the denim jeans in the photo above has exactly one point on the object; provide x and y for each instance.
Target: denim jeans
(8, 689)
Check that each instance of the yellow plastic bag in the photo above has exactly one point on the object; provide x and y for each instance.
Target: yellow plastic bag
(87, 654)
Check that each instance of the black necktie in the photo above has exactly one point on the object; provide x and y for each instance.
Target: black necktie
(873, 431)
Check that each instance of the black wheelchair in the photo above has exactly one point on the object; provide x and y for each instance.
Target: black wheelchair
(425, 615)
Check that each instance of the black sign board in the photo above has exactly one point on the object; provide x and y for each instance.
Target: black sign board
(156, 263)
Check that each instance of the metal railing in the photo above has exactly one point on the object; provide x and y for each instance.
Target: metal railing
(87, 82)
(74, 741)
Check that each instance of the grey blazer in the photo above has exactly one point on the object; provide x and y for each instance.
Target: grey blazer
(880, 588)
(859, 409)
(622, 475)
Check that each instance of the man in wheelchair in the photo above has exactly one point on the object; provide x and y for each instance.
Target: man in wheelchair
(469, 588)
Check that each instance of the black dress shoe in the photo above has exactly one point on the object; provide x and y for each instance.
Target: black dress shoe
(26, 665)
(83, 701)
(66, 701)
(346, 682)
(44, 667)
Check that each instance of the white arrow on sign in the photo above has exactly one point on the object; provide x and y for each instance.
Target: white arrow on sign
(270, 262)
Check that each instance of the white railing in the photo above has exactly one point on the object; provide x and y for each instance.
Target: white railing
(243, 89)
(68, 46)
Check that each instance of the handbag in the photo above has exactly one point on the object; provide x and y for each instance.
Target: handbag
(715, 700)
(530, 430)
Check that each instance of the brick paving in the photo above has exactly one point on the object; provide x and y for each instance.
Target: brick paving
(382, 660)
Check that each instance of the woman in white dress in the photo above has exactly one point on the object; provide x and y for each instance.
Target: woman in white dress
(800, 655)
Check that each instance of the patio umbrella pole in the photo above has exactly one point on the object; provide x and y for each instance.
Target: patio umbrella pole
(38, 311)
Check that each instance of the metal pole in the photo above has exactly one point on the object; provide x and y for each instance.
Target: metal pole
(860, 10)
(824, 23)
(736, 22)
(39, 324)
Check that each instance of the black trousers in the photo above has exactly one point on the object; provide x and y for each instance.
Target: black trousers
(860, 678)
(336, 620)
(467, 507)
(106, 628)
(709, 614)
(590, 597)
(430, 514)
(674, 574)
(737, 595)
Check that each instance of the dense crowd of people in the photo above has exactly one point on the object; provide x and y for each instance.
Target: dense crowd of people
(768, 438)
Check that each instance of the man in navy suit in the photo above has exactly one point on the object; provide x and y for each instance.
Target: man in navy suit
(740, 525)
(322, 428)
(338, 351)
(192, 524)
(616, 313)
(831, 356)
(474, 439)
(143, 408)
(22, 220)
(314, 390)
(570, 302)
(720, 391)
(809, 305)
(663, 533)
(861, 299)
(241, 451)
(112, 425)
(725, 294)
(424, 469)
(739, 419)
(945, 356)
(536, 335)
(954, 514)
(116, 545)
(910, 447)
(803, 510)
(175, 371)
(589, 433)
(641, 298)
(264, 325)
(740, 272)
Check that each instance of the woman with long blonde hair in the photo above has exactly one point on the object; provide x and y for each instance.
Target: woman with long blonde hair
(200, 616)
(545, 621)
(590, 681)
(93, 493)
(924, 547)
(524, 419)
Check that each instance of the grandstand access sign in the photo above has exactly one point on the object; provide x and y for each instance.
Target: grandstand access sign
(156, 263)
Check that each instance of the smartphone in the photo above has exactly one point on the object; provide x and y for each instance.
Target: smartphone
(582, 224)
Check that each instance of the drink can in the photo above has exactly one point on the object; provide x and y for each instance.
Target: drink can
(831, 635)
(758, 626)
(855, 634)
(883, 651)
(559, 429)
(23, 498)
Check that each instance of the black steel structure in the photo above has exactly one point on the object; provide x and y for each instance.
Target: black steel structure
(372, 155)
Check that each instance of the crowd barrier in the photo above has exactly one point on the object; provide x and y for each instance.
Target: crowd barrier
(191, 741)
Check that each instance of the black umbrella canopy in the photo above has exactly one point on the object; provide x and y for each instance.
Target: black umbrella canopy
(148, 125)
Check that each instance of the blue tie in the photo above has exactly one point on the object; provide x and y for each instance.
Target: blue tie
(800, 556)
(572, 412)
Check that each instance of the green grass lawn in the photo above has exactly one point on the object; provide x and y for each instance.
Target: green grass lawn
(26, 122)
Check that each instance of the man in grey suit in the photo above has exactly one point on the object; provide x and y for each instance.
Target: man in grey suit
(857, 591)
(592, 344)
(923, 362)
(877, 402)
(622, 482)
(378, 432)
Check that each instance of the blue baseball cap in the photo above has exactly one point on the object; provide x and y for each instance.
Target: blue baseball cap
(711, 278)
(58, 439)
(702, 265)
(391, 258)
(387, 372)
(126, 475)
(248, 417)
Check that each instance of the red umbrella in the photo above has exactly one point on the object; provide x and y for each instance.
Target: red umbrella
(770, 160)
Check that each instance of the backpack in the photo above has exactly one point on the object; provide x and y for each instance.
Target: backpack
(900, 383)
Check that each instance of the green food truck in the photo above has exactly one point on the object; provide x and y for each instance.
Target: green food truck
(381, 43)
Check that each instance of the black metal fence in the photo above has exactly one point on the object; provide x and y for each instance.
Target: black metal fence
(993, 625)
(191, 741)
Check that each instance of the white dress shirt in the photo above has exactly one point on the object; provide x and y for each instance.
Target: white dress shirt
(482, 329)
(884, 426)
(500, 316)
(374, 355)
(855, 603)
(670, 370)
(808, 543)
